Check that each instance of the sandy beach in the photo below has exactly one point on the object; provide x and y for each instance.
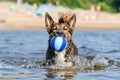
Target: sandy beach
(22, 19)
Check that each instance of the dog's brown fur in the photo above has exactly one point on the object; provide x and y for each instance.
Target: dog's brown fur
(64, 27)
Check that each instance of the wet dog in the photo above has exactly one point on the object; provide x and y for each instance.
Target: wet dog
(64, 27)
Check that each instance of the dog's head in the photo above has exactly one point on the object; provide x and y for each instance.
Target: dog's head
(62, 27)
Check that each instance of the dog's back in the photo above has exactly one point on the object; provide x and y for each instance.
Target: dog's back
(64, 27)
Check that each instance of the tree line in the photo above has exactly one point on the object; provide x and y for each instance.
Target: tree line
(106, 5)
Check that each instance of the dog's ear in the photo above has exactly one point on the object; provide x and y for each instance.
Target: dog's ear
(72, 22)
(48, 21)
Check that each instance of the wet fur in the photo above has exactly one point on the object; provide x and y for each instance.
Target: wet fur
(66, 25)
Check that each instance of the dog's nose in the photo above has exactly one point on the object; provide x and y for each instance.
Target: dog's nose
(59, 33)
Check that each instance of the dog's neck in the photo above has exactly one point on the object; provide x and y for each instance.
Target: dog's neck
(60, 59)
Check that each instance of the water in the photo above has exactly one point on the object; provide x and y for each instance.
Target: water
(22, 54)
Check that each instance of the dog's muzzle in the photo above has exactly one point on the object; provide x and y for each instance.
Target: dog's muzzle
(60, 33)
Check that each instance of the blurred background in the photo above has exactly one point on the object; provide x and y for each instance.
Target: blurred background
(29, 14)
(22, 47)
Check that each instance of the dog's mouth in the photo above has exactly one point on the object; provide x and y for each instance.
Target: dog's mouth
(60, 35)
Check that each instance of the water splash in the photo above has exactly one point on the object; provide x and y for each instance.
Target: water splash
(83, 63)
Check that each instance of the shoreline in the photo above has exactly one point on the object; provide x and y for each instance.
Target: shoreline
(25, 20)
(36, 25)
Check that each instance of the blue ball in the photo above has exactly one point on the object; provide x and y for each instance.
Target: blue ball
(58, 43)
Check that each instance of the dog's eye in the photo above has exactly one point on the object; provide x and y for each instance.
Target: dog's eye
(55, 28)
(65, 28)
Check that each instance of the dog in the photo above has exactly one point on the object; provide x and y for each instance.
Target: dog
(64, 27)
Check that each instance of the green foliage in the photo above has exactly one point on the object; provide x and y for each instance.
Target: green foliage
(37, 2)
(75, 3)
(84, 4)
(4, 0)
(106, 5)
(72, 3)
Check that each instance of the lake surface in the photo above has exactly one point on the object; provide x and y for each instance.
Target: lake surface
(23, 52)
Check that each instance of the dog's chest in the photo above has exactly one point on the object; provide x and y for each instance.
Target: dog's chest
(60, 59)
